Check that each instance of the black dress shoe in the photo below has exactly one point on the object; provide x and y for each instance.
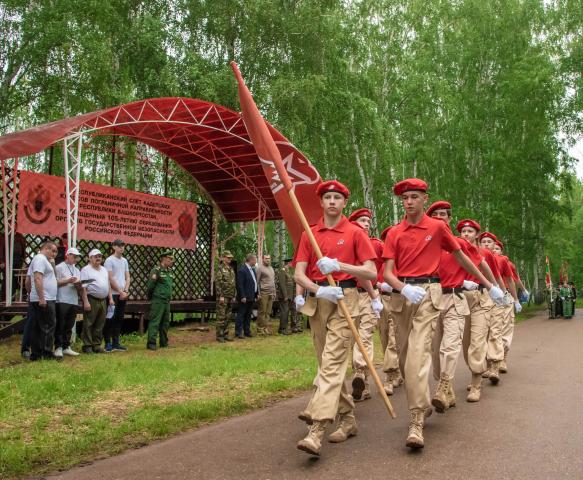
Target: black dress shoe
(249, 335)
(240, 337)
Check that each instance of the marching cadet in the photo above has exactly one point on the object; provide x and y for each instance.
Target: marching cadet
(475, 339)
(414, 248)
(393, 377)
(225, 291)
(498, 317)
(370, 306)
(348, 255)
(455, 308)
(286, 293)
(160, 293)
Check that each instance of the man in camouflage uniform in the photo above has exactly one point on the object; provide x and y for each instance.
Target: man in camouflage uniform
(225, 292)
(286, 292)
(160, 293)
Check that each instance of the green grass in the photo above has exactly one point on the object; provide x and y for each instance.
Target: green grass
(55, 415)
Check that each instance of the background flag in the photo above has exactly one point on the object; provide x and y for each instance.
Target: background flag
(548, 280)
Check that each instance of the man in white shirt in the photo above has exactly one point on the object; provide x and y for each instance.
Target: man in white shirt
(96, 295)
(119, 278)
(69, 283)
(42, 297)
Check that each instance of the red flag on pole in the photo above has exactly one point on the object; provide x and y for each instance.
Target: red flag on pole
(548, 280)
(275, 152)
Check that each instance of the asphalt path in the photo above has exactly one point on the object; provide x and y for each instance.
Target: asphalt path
(530, 426)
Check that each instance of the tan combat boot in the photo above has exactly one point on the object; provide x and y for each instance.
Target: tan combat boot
(305, 416)
(358, 385)
(488, 371)
(450, 394)
(388, 384)
(415, 437)
(475, 388)
(398, 380)
(346, 428)
(313, 441)
(439, 400)
(503, 366)
(494, 372)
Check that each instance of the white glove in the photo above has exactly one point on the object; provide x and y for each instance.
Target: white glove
(300, 301)
(527, 295)
(469, 285)
(377, 306)
(497, 295)
(385, 287)
(328, 265)
(332, 294)
(413, 294)
(517, 306)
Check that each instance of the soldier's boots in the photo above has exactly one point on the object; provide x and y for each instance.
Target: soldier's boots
(415, 436)
(312, 443)
(503, 366)
(358, 385)
(439, 400)
(399, 380)
(488, 371)
(494, 373)
(388, 385)
(475, 388)
(305, 416)
(450, 394)
(346, 428)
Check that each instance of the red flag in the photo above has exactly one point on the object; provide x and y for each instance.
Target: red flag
(548, 280)
(284, 168)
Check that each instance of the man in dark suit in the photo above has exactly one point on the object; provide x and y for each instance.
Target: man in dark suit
(246, 294)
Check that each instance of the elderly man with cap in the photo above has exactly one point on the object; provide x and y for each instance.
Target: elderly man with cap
(475, 339)
(414, 248)
(69, 285)
(96, 296)
(286, 288)
(160, 292)
(348, 255)
(119, 278)
(500, 313)
(455, 308)
(225, 291)
(370, 307)
(387, 329)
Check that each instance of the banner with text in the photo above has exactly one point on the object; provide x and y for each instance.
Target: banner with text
(105, 213)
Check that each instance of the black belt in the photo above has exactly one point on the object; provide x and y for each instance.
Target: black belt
(452, 289)
(341, 283)
(362, 290)
(418, 280)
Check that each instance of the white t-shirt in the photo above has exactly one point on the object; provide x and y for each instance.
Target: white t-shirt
(119, 267)
(67, 293)
(99, 288)
(41, 264)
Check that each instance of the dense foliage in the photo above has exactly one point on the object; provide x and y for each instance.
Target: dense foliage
(478, 98)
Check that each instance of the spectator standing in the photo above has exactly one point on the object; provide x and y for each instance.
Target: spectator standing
(96, 295)
(246, 294)
(25, 343)
(160, 292)
(119, 278)
(225, 292)
(69, 284)
(286, 289)
(266, 281)
(43, 296)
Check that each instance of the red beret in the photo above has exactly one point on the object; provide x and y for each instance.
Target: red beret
(488, 235)
(468, 223)
(500, 244)
(332, 186)
(409, 184)
(361, 212)
(384, 232)
(441, 205)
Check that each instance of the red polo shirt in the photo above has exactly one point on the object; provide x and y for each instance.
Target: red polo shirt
(379, 261)
(346, 242)
(416, 249)
(513, 270)
(451, 273)
(504, 267)
(490, 260)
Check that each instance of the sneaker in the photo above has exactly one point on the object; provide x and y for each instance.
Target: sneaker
(108, 348)
(58, 353)
(117, 347)
(69, 351)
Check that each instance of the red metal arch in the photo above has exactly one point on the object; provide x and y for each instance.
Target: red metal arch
(209, 141)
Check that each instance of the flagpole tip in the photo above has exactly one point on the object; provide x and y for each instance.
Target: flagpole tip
(236, 70)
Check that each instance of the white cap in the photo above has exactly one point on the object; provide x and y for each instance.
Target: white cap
(73, 251)
(94, 252)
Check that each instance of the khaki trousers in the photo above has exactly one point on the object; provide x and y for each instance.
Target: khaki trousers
(387, 334)
(415, 327)
(495, 327)
(332, 340)
(264, 313)
(365, 324)
(508, 329)
(449, 332)
(475, 341)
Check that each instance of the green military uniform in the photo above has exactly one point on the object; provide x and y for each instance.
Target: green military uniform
(286, 289)
(160, 290)
(225, 288)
